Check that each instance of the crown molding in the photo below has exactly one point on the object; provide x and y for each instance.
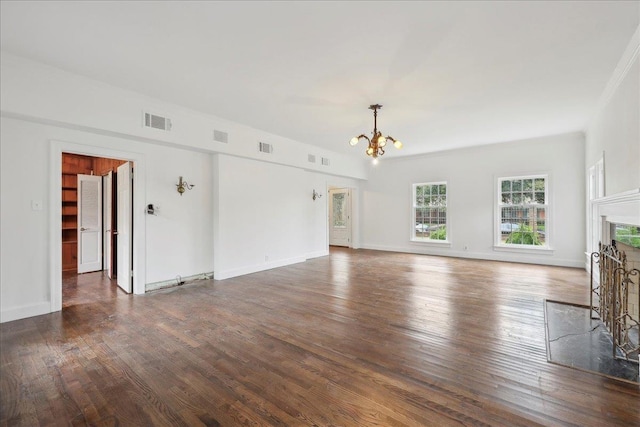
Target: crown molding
(622, 69)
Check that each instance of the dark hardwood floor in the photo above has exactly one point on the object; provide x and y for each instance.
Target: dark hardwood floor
(358, 338)
(87, 288)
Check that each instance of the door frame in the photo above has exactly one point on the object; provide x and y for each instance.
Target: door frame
(124, 218)
(55, 213)
(107, 221)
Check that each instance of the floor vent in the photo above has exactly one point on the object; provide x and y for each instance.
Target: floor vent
(156, 122)
(220, 136)
(311, 158)
(325, 161)
(263, 147)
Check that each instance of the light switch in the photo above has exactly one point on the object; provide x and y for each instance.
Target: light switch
(36, 205)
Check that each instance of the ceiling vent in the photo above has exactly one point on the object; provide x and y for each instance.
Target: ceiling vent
(263, 147)
(311, 158)
(325, 161)
(220, 136)
(156, 122)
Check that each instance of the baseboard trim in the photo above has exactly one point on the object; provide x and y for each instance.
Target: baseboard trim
(241, 271)
(174, 282)
(317, 254)
(25, 311)
(505, 257)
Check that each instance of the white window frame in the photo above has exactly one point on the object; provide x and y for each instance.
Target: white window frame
(498, 245)
(595, 191)
(423, 240)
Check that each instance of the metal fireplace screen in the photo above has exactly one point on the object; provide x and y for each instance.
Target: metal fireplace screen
(611, 280)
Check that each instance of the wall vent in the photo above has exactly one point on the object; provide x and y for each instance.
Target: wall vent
(325, 161)
(311, 158)
(263, 147)
(220, 136)
(156, 122)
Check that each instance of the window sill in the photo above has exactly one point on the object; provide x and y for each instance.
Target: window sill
(541, 250)
(441, 243)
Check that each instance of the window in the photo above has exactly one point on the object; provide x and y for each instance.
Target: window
(522, 212)
(429, 212)
(627, 234)
(339, 217)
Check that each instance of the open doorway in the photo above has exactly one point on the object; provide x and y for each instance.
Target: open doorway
(138, 256)
(89, 216)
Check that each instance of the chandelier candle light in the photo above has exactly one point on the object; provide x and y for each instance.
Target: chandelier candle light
(377, 142)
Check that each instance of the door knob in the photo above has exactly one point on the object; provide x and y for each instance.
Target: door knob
(83, 229)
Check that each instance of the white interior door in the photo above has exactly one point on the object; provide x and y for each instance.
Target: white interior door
(108, 223)
(340, 217)
(89, 223)
(125, 226)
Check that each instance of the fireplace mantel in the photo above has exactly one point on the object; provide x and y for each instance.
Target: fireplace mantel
(621, 208)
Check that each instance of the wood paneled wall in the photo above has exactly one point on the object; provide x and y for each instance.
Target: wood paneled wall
(76, 164)
(102, 166)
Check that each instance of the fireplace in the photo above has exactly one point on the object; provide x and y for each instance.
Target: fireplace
(615, 270)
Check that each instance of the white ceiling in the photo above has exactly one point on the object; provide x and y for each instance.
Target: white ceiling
(449, 74)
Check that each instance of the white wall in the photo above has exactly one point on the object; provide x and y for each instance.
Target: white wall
(178, 240)
(43, 92)
(24, 252)
(471, 175)
(179, 237)
(317, 243)
(615, 127)
(265, 217)
(260, 208)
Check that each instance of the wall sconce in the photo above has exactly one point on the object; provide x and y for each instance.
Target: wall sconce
(316, 195)
(183, 186)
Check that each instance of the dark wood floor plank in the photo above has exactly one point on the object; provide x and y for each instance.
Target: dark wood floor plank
(356, 338)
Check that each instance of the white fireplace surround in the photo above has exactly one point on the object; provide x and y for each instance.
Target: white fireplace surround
(621, 208)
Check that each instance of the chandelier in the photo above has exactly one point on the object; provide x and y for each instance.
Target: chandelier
(377, 142)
